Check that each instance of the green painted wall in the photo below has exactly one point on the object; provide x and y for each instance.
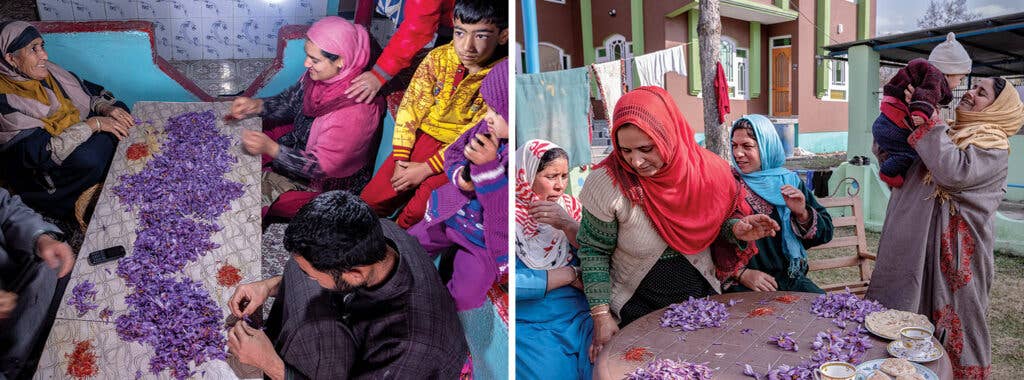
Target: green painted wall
(586, 17)
(636, 11)
(823, 17)
(754, 61)
(693, 70)
(863, 19)
(784, 4)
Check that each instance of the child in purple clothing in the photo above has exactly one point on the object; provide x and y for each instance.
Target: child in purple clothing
(933, 81)
(470, 213)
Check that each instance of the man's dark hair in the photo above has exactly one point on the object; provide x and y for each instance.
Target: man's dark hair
(335, 232)
(488, 11)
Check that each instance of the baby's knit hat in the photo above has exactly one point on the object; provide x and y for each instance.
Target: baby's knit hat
(494, 88)
(950, 57)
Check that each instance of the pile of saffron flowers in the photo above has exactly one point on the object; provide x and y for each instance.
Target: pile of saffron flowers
(695, 313)
(178, 196)
(668, 369)
(82, 297)
(844, 307)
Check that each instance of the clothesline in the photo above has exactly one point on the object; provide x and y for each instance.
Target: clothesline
(565, 96)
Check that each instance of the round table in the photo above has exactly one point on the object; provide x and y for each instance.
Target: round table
(723, 347)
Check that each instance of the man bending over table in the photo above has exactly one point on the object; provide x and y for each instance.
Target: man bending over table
(359, 299)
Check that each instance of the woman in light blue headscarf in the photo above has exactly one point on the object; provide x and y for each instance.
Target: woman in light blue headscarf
(781, 262)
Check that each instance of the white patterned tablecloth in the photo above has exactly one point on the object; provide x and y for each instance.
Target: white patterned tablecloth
(112, 224)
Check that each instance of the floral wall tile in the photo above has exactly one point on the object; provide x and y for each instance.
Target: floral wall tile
(187, 37)
(198, 29)
(90, 10)
(218, 41)
(122, 10)
(56, 10)
(163, 37)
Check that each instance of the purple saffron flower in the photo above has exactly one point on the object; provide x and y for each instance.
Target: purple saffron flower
(694, 314)
(178, 196)
(844, 307)
(784, 341)
(82, 296)
(666, 369)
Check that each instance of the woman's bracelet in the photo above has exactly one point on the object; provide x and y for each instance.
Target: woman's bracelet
(98, 126)
(596, 313)
(740, 275)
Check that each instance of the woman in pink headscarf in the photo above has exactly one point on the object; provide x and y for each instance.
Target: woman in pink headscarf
(331, 142)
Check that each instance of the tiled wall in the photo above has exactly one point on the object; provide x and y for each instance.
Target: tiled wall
(198, 29)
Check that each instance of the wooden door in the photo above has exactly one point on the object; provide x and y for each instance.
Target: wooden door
(782, 104)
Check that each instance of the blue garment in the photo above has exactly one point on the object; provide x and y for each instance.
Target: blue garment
(767, 182)
(893, 140)
(555, 106)
(553, 329)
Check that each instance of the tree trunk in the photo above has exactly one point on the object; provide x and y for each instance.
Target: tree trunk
(709, 31)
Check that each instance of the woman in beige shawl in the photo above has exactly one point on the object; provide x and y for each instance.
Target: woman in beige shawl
(57, 132)
(935, 256)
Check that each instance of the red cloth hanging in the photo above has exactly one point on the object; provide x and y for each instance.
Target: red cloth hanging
(722, 89)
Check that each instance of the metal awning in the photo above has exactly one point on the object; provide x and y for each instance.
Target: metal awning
(996, 45)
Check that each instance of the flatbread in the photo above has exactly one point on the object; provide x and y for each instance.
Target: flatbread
(879, 375)
(913, 376)
(897, 367)
(889, 323)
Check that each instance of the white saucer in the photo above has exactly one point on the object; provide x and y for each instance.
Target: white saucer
(896, 349)
(864, 370)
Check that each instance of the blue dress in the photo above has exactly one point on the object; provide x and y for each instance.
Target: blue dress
(553, 329)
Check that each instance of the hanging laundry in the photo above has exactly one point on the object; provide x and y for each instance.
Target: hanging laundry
(555, 106)
(652, 67)
(722, 89)
(611, 81)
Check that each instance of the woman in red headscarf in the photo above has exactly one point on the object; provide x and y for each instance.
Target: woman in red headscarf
(331, 141)
(651, 211)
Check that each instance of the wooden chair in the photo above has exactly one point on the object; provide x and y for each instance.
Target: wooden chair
(858, 241)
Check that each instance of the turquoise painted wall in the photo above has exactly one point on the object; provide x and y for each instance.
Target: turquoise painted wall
(120, 61)
(291, 69)
(824, 142)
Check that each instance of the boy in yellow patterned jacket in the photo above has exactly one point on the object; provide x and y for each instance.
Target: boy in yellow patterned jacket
(442, 102)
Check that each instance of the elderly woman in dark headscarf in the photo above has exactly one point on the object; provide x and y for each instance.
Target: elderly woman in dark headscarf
(57, 132)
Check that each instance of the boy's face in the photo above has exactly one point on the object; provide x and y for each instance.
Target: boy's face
(953, 80)
(497, 124)
(475, 43)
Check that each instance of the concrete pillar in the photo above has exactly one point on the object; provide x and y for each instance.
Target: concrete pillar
(863, 100)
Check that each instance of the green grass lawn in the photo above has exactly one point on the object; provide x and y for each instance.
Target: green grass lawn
(1005, 313)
